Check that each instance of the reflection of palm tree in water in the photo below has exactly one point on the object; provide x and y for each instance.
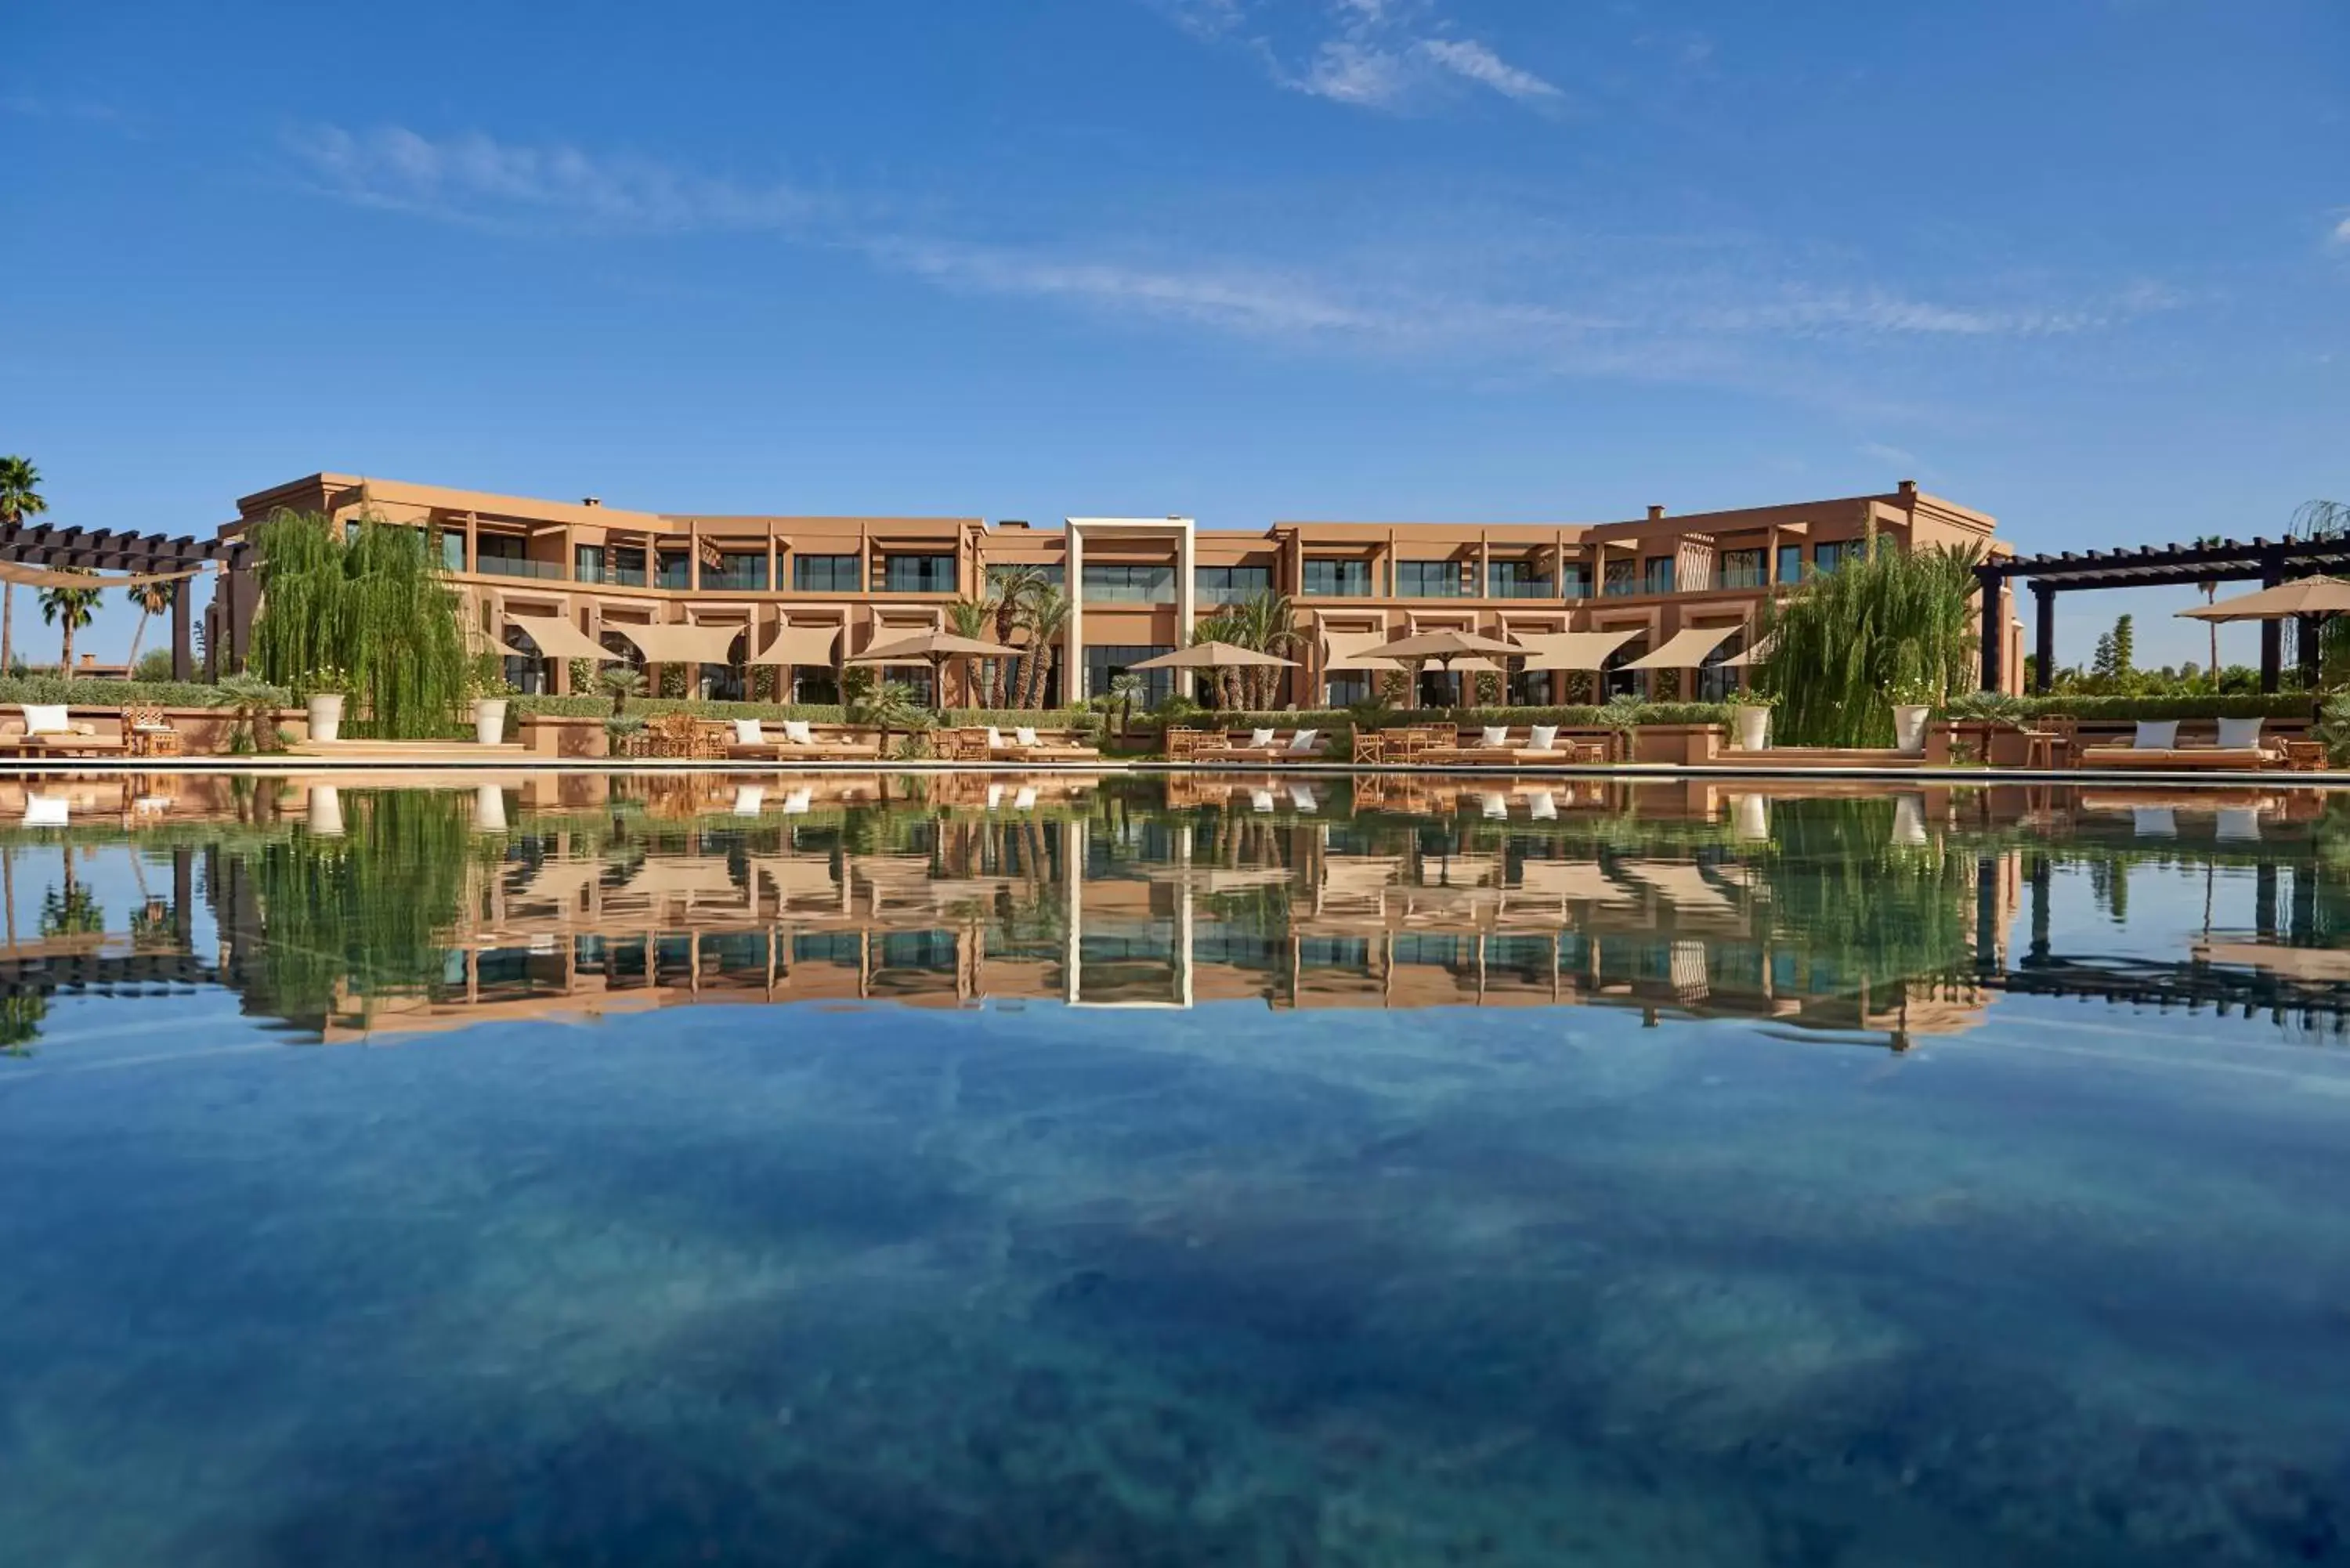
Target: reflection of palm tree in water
(20, 1022)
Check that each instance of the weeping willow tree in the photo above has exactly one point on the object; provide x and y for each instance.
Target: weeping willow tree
(1891, 626)
(373, 608)
(349, 920)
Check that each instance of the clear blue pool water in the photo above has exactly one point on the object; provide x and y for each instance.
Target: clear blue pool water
(648, 1172)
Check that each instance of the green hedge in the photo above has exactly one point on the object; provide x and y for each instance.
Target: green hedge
(1577, 716)
(112, 694)
(588, 706)
(2239, 705)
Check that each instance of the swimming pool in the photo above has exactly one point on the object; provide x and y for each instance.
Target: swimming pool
(1170, 1171)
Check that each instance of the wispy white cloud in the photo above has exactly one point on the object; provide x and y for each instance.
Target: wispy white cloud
(1373, 54)
(476, 180)
(2341, 235)
(1485, 289)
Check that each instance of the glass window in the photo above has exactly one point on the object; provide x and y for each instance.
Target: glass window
(1575, 580)
(1623, 578)
(812, 684)
(676, 571)
(1828, 555)
(453, 550)
(1106, 661)
(1121, 583)
(499, 547)
(1428, 579)
(1229, 585)
(1791, 563)
(917, 574)
(738, 570)
(1740, 569)
(1656, 574)
(588, 562)
(1348, 687)
(1517, 580)
(825, 575)
(1333, 578)
(1057, 575)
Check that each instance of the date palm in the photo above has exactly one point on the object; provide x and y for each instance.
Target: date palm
(70, 608)
(1268, 625)
(1046, 618)
(974, 619)
(152, 600)
(20, 497)
(1009, 593)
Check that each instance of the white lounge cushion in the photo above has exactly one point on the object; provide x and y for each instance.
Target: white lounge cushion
(994, 739)
(46, 811)
(2156, 735)
(45, 718)
(1544, 806)
(1497, 805)
(2239, 734)
(1025, 736)
(746, 733)
(1302, 797)
(750, 799)
(797, 733)
(1545, 737)
(1260, 800)
(1303, 740)
(1494, 735)
(1260, 738)
(1025, 800)
(796, 803)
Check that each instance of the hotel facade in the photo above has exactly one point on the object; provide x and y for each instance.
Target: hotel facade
(550, 581)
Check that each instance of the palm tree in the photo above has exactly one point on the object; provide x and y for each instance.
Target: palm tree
(1126, 688)
(71, 608)
(1224, 626)
(974, 618)
(1010, 592)
(2211, 595)
(1267, 624)
(1045, 617)
(623, 681)
(889, 705)
(152, 600)
(20, 497)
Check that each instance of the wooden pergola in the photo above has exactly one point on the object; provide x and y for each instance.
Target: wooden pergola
(53, 548)
(2267, 562)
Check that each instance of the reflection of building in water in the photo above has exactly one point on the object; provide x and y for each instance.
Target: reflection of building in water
(1155, 913)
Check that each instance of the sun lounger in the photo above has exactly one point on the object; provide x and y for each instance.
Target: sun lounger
(1265, 746)
(43, 730)
(750, 742)
(1497, 747)
(1025, 745)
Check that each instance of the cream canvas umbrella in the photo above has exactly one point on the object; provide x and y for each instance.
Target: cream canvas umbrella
(1441, 647)
(1215, 656)
(933, 649)
(2316, 597)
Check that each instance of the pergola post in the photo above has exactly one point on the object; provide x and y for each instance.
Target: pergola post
(2043, 608)
(2271, 631)
(1994, 625)
(183, 649)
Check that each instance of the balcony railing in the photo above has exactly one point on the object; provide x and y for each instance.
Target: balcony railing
(752, 579)
(1521, 589)
(1741, 577)
(509, 566)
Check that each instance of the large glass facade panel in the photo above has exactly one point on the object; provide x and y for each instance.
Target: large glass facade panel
(825, 575)
(1350, 579)
(1125, 583)
(1428, 579)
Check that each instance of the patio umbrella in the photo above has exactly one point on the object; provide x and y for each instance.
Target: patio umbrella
(933, 649)
(2316, 597)
(1215, 656)
(1441, 647)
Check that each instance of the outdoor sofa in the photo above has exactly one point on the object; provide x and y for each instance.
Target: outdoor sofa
(1264, 745)
(749, 741)
(1499, 745)
(2237, 746)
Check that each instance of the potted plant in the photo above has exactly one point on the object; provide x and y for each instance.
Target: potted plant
(323, 695)
(1749, 719)
(489, 690)
(1913, 704)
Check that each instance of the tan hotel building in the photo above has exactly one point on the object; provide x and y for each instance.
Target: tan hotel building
(551, 580)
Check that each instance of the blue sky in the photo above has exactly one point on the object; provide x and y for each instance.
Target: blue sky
(2082, 263)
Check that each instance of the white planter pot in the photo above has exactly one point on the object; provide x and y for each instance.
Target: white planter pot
(1908, 819)
(1909, 727)
(326, 716)
(1752, 723)
(1752, 817)
(490, 721)
(489, 809)
(325, 810)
